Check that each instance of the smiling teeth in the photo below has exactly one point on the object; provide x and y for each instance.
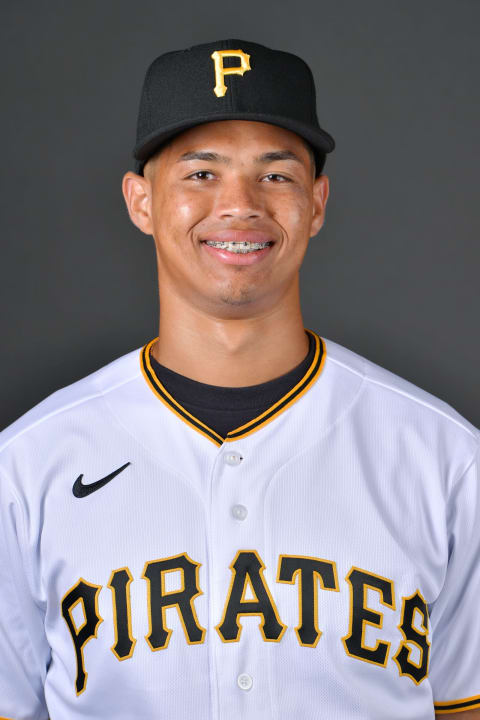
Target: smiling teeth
(238, 247)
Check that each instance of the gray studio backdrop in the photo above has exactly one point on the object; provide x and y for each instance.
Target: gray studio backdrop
(392, 275)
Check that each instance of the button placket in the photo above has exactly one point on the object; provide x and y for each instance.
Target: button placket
(239, 512)
(234, 483)
(244, 681)
(233, 457)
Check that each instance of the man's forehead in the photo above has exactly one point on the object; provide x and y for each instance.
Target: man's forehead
(220, 141)
(227, 141)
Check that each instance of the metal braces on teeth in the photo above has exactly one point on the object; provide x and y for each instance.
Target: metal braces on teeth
(241, 247)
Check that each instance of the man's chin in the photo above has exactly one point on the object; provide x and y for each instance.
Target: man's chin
(238, 304)
(236, 300)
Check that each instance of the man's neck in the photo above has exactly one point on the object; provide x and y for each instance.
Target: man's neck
(230, 352)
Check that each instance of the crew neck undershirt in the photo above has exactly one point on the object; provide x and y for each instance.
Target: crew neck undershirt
(226, 408)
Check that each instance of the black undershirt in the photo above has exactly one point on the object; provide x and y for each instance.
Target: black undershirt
(225, 408)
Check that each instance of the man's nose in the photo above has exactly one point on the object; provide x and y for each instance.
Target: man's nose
(239, 197)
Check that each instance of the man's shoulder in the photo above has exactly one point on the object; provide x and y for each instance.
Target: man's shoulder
(391, 388)
(75, 396)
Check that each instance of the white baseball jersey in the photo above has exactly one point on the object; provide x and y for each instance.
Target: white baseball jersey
(322, 561)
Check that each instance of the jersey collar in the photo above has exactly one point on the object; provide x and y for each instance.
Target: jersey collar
(251, 426)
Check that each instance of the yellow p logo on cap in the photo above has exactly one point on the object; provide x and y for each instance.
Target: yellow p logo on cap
(220, 88)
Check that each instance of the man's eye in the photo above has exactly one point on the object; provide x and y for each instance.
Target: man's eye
(277, 175)
(199, 173)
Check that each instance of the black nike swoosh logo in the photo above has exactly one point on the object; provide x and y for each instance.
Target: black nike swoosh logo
(80, 490)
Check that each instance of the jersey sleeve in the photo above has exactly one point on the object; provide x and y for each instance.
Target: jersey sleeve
(455, 615)
(24, 650)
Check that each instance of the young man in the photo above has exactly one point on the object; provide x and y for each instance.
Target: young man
(242, 519)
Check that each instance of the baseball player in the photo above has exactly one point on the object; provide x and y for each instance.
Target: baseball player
(242, 518)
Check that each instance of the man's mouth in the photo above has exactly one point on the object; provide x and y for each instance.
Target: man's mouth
(233, 247)
(236, 241)
(238, 247)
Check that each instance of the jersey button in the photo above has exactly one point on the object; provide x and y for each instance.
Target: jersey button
(239, 512)
(244, 681)
(233, 458)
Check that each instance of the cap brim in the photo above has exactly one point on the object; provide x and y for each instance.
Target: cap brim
(319, 139)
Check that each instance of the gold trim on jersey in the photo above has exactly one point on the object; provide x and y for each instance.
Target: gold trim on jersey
(251, 426)
(455, 706)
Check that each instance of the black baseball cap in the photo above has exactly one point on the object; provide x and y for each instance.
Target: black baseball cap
(227, 80)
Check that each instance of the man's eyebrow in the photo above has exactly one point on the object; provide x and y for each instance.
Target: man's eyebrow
(278, 155)
(203, 155)
(215, 157)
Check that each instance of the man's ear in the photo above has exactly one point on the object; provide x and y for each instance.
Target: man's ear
(321, 188)
(137, 191)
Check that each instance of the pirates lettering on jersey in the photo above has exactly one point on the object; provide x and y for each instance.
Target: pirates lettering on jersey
(247, 569)
(159, 600)
(361, 615)
(308, 570)
(247, 578)
(85, 594)
(119, 584)
(412, 636)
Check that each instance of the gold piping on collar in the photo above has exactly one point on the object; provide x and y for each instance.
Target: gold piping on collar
(251, 426)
